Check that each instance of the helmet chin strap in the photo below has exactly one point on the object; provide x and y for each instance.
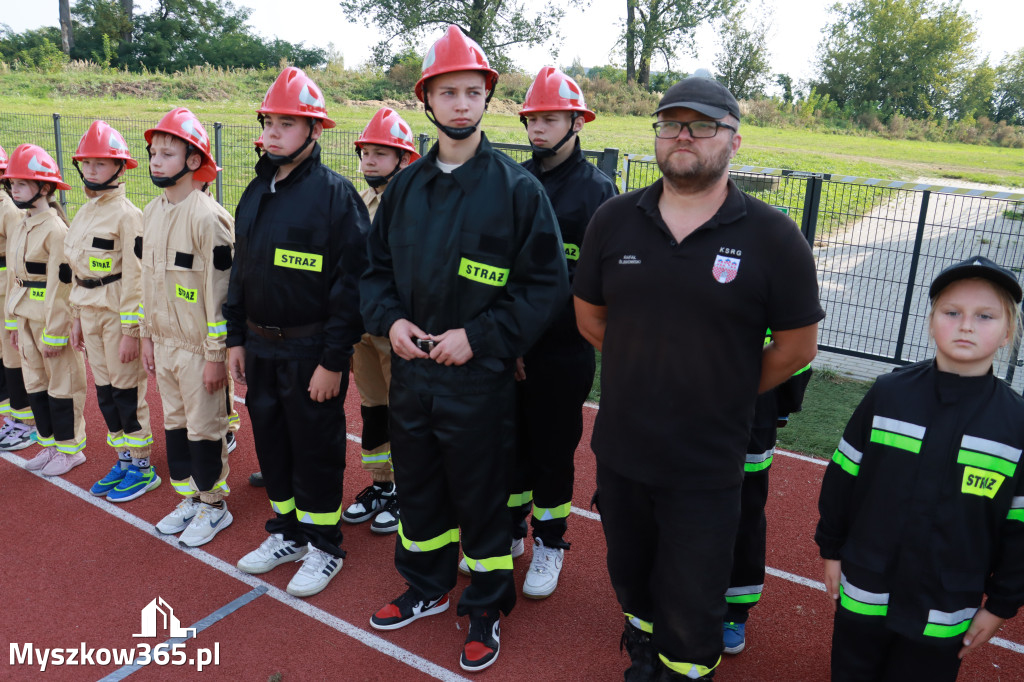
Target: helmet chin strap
(99, 186)
(25, 205)
(284, 159)
(548, 152)
(454, 133)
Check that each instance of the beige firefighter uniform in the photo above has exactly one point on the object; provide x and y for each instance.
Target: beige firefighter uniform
(105, 296)
(186, 257)
(38, 287)
(371, 369)
(10, 216)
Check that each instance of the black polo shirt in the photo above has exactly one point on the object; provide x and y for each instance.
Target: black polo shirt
(682, 349)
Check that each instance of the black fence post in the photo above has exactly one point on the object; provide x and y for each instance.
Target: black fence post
(625, 174)
(218, 159)
(610, 163)
(424, 144)
(59, 148)
(812, 202)
(914, 258)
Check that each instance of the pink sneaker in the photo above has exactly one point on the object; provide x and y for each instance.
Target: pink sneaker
(41, 459)
(63, 463)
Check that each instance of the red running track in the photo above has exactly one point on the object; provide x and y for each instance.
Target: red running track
(78, 569)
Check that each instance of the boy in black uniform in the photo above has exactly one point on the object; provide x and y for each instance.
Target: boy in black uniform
(292, 317)
(922, 505)
(466, 270)
(556, 374)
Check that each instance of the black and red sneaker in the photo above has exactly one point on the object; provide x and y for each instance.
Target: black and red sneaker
(482, 642)
(408, 607)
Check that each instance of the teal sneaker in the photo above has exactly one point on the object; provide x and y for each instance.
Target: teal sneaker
(734, 637)
(135, 484)
(110, 481)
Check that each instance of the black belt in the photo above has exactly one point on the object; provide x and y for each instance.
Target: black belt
(278, 333)
(29, 284)
(93, 283)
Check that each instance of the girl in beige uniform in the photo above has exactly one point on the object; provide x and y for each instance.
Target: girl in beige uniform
(105, 297)
(38, 286)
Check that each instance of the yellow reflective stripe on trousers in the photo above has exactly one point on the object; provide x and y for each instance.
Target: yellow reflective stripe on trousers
(22, 414)
(284, 506)
(484, 274)
(550, 514)
(184, 488)
(429, 545)
(690, 670)
(639, 623)
(319, 518)
(494, 563)
(5, 406)
(519, 499)
(46, 442)
(115, 440)
(71, 448)
(133, 442)
(222, 487)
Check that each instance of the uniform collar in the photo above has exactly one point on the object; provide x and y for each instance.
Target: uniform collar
(952, 388)
(110, 195)
(266, 170)
(469, 174)
(732, 209)
(40, 218)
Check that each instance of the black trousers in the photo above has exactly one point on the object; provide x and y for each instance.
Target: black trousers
(12, 387)
(300, 444)
(747, 579)
(549, 413)
(669, 554)
(451, 456)
(863, 650)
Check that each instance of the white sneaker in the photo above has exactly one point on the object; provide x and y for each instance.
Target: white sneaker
(41, 459)
(178, 520)
(545, 567)
(5, 430)
(61, 463)
(274, 551)
(19, 436)
(517, 549)
(318, 567)
(207, 522)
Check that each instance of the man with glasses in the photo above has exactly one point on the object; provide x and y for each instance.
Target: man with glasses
(675, 285)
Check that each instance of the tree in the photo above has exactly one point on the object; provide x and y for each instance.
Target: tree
(661, 27)
(67, 37)
(95, 19)
(973, 91)
(743, 60)
(1009, 92)
(785, 81)
(895, 56)
(495, 24)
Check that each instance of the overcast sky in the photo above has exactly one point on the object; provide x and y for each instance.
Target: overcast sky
(589, 35)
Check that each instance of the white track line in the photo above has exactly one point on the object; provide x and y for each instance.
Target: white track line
(791, 577)
(368, 638)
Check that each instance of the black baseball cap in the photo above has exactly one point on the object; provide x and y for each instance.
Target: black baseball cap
(977, 266)
(702, 94)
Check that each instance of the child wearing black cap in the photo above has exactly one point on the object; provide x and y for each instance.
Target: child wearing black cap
(922, 505)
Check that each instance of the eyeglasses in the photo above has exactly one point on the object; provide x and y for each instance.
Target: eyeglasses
(669, 130)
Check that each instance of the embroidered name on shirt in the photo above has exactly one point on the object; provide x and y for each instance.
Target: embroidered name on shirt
(629, 259)
(726, 251)
(298, 260)
(483, 273)
(981, 482)
(185, 294)
(100, 264)
(572, 252)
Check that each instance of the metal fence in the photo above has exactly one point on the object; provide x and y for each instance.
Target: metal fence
(877, 243)
(877, 246)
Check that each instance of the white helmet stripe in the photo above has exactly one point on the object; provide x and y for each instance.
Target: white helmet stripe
(428, 61)
(34, 164)
(566, 92)
(189, 126)
(396, 131)
(116, 142)
(307, 97)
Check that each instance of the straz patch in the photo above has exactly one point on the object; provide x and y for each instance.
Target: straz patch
(725, 269)
(100, 264)
(572, 252)
(483, 273)
(185, 294)
(35, 294)
(981, 482)
(297, 260)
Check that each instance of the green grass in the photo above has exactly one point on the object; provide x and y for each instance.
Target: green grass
(828, 404)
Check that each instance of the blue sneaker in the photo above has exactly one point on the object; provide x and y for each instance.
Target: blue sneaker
(135, 484)
(110, 481)
(734, 637)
